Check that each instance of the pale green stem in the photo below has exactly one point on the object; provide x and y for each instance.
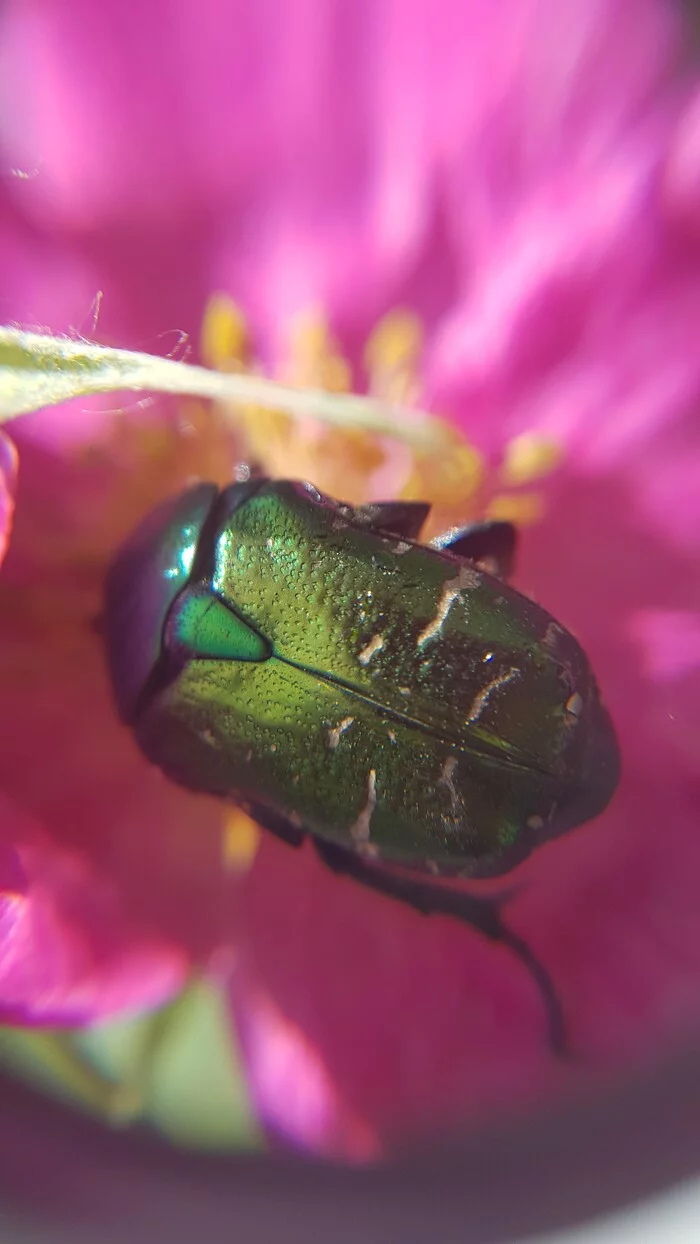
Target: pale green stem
(38, 370)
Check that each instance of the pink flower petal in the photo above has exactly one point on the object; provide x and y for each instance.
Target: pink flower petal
(8, 480)
(299, 1100)
(418, 1023)
(681, 182)
(69, 956)
(93, 791)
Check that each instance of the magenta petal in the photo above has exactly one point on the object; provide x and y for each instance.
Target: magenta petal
(295, 1095)
(8, 480)
(409, 1024)
(681, 182)
(217, 97)
(68, 955)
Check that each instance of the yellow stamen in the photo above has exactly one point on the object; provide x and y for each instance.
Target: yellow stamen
(240, 840)
(225, 344)
(529, 457)
(269, 440)
(392, 357)
(339, 461)
(452, 482)
(344, 461)
(314, 360)
(523, 509)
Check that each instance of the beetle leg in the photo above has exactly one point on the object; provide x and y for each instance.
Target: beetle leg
(277, 825)
(491, 545)
(396, 518)
(483, 914)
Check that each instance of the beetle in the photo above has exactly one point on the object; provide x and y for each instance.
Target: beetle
(398, 702)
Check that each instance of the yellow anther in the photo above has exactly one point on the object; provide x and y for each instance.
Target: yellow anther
(224, 341)
(523, 508)
(314, 358)
(450, 478)
(529, 457)
(269, 437)
(392, 356)
(345, 460)
(396, 341)
(240, 840)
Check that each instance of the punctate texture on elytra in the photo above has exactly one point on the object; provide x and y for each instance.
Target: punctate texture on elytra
(316, 663)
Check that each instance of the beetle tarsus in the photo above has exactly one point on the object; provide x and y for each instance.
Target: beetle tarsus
(558, 1041)
(490, 543)
(483, 914)
(276, 824)
(396, 518)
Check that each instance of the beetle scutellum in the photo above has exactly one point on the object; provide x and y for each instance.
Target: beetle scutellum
(396, 701)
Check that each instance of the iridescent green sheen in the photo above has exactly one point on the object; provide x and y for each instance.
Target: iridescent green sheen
(381, 694)
(152, 567)
(201, 625)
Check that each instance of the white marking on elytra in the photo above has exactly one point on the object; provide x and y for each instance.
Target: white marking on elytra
(535, 822)
(370, 850)
(359, 830)
(446, 778)
(208, 737)
(375, 645)
(574, 704)
(551, 635)
(482, 697)
(451, 589)
(335, 732)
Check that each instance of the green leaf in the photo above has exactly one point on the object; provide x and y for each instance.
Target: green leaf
(177, 1070)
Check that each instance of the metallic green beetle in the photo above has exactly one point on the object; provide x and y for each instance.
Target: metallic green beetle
(396, 701)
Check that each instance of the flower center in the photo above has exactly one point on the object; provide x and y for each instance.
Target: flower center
(74, 512)
(357, 465)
